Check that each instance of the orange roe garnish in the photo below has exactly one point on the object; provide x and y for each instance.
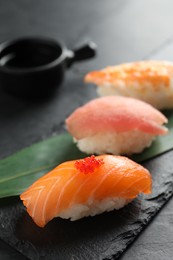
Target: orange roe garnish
(88, 165)
(141, 72)
(144, 72)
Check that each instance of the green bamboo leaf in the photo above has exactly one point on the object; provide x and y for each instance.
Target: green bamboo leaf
(19, 171)
(161, 144)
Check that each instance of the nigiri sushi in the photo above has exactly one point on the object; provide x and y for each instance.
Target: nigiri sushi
(85, 187)
(150, 81)
(116, 125)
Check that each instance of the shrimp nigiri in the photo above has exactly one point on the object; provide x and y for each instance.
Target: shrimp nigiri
(150, 81)
(116, 125)
(86, 187)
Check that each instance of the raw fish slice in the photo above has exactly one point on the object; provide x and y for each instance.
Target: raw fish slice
(85, 187)
(114, 113)
(116, 125)
(150, 81)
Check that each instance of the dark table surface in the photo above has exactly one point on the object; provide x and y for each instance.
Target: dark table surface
(124, 30)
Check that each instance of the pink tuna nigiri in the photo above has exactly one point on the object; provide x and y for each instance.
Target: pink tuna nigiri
(114, 124)
(89, 186)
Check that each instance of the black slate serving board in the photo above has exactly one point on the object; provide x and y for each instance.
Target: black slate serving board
(102, 237)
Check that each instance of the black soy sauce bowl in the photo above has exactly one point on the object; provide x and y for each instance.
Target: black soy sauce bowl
(35, 67)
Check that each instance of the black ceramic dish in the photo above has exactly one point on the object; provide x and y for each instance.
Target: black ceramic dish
(34, 67)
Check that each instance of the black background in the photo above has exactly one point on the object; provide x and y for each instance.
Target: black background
(124, 30)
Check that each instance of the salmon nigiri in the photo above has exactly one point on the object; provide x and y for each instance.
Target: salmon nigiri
(116, 125)
(85, 187)
(150, 81)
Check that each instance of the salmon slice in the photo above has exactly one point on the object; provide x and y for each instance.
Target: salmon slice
(83, 183)
(115, 114)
